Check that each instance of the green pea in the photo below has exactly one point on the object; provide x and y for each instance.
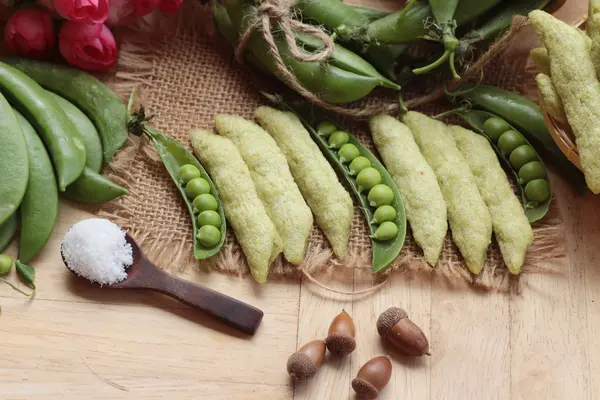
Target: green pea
(209, 217)
(521, 156)
(495, 127)
(338, 139)
(383, 214)
(188, 172)
(386, 231)
(326, 128)
(358, 164)
(380, 195)
(5, 264)
(537, 190)
(367, 178)
(530, 171)
(208, 236)
(196, 187)
(509, 141)
(205, 202)
(348, 152)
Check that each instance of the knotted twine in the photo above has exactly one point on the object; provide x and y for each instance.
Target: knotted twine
(278, 13)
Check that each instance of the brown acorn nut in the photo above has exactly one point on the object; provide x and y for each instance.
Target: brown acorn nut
(304, 363)
(395, 326)
(340, 338)
(372, 377)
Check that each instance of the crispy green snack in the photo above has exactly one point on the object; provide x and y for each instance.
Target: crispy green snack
(253, 229)
(574, 77)
(469, 218)
(273, 181)
(593, 30)
(512, 229)
(329, 201)
(416, 181)
(540, 59)
(549, 98)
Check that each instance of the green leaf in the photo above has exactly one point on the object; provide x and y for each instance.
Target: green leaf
(26, 273)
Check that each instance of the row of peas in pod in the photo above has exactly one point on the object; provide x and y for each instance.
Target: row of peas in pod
(522, 158)
(367, 178)
(205, 205)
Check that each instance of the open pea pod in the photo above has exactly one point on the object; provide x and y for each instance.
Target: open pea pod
(384, 251)
(174, 156)
(476, 119)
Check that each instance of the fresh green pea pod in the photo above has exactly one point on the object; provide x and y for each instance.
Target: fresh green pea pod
(94, 98)
(332, 13)
(384, 252)
(93, 188)
(14, 164)
(525, 115)
(7, 231)
(476, 119)
(332, 84)
(87, 130)
(39, 208)
(63, 141)
(404, 26)
(369, 13)
(468, 10)
(174, 156)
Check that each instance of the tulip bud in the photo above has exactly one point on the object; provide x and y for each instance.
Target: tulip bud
(90, 11)
(145, 7)
(121, 12)
(170, 6)
(30, 33)
(90, 47)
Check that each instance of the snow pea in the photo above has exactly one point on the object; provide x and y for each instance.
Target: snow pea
(39, 208)
(94, 98)
(370, 14)
(536, 207)
(7, 231)
(93, 188)
(14, 164)
(51, 123)
(525, 115)
(332, 13)
(87, 130)
(334, 85)
(174, 156)
(384, 251)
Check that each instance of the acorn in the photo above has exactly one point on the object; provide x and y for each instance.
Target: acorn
(304, 363)
(395, 326)
(340, 337)
(372, 377)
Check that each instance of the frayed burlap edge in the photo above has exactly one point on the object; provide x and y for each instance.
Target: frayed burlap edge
(136, 69)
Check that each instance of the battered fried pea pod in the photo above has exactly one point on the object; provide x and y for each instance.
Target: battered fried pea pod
(273, 181)
(593, 30)
(576, 83)
(550, 98)
(329, 201)
(511, 226)
(469, 218)
(253, 229)
(540, 59)
(416, 182)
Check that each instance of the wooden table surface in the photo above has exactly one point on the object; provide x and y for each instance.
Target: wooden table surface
(74, 341)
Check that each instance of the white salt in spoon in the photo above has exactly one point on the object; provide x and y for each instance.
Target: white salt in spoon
(143, 274)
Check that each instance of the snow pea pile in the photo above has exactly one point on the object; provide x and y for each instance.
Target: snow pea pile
(58, 126)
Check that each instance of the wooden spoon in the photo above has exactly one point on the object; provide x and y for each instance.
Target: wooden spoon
(143, 274)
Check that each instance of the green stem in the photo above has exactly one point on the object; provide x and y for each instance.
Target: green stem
(466, 107)
(453, 67)
(16, 288)
(433, 65)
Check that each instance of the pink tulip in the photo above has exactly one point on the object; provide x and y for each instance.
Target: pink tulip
(30, 33)
(170, 6)
(91, 11)
(121, 12)
(88, 46)
(145, 7)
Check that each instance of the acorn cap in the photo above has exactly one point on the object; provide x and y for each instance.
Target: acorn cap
(364, 389)
(388, 319)
(300, 366)
(340, 344)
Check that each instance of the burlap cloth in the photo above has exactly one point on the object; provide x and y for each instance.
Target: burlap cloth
(188, 75)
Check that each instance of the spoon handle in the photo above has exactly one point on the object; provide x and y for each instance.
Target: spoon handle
(233, 312)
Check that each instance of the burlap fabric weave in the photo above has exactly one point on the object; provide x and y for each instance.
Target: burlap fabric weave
(188, 75)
